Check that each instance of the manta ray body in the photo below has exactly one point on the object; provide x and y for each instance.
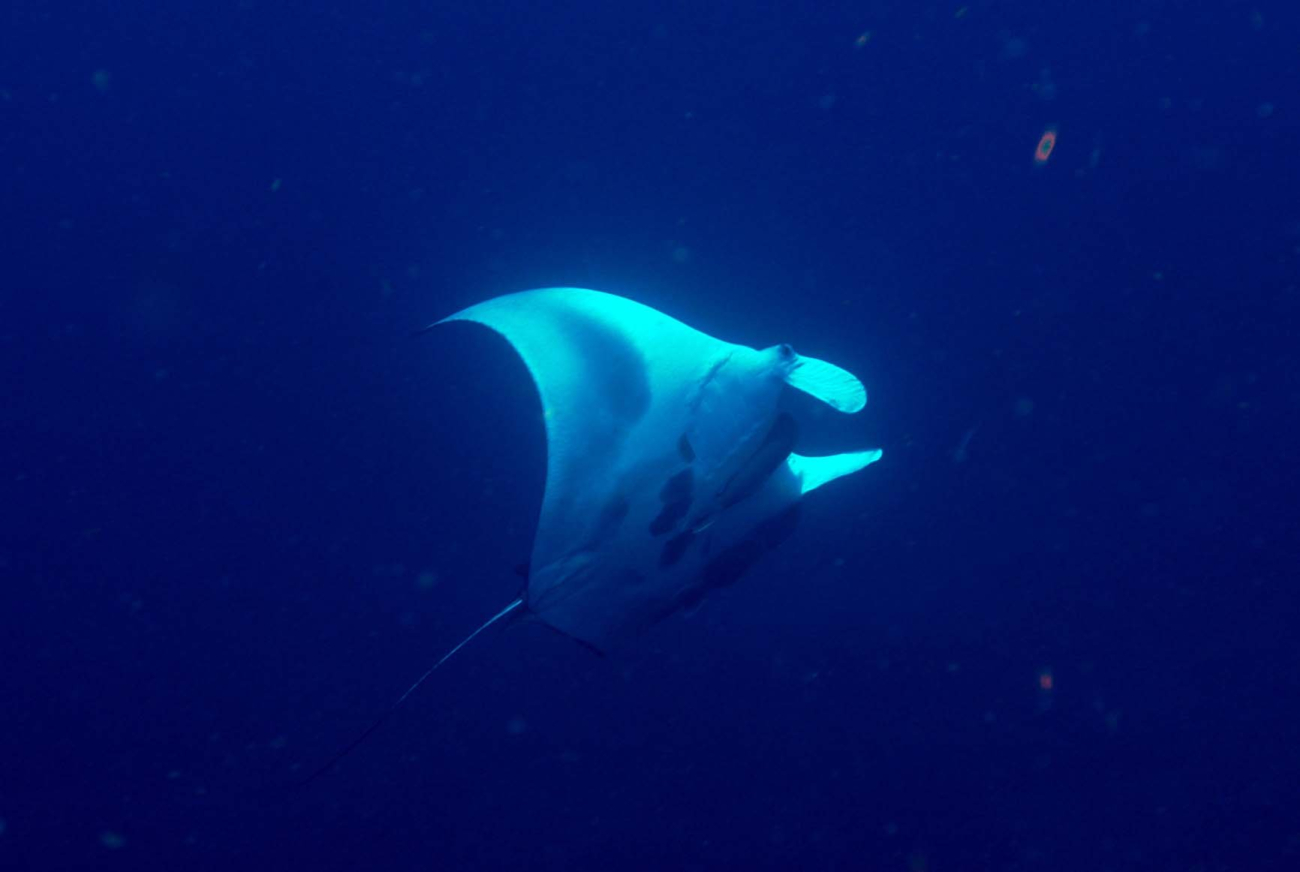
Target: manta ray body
(670, 468)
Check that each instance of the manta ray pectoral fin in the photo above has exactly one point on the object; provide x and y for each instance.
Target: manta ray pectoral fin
(612, 375)
(813, 472)
(837, 388)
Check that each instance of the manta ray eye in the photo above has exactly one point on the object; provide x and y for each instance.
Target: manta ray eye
(786, 352)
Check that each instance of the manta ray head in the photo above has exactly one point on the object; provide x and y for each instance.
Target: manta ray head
(782, 360)
(757, 374)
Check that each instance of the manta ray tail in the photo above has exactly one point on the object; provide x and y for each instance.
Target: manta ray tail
(379, 721)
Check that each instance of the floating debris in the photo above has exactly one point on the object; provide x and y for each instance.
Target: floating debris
(1046, 143)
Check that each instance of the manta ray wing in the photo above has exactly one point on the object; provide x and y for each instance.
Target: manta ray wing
(600, 369)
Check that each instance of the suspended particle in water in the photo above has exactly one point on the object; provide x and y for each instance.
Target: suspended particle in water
(959, 453)
(1046, 143)
(1046, 684)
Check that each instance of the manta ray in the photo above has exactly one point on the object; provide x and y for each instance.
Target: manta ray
(670, 466)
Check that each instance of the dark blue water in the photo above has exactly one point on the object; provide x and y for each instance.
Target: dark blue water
(243, 508)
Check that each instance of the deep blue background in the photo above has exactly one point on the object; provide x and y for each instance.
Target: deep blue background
(226, 465)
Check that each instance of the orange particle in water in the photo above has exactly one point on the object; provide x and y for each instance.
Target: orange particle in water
(1044, 681)
(1046, 143)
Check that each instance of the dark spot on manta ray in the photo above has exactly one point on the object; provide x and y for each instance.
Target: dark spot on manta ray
(685, 450)
(669, 516)
(674, 548)
(678, 487)
(676, 497)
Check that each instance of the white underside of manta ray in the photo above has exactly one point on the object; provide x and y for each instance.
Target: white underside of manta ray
(670, 468)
